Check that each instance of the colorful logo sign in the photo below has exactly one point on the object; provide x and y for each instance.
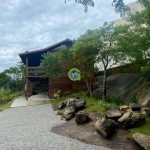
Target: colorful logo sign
(74, 74)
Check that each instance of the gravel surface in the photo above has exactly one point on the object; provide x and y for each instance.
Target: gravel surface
(29, 128)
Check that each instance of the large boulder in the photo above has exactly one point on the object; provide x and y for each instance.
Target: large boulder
(146, 103)
(82, 117)
(76, 103)
(69, 113)
(114, 112)
(126, 116)
(135, 106)
(71, 102)
(142, 140)
(106, 127)
(80, 104)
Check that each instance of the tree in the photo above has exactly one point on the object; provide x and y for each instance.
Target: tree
(133, 39)
(4, 79)
(95, 46)
(119, 5)
(57, 64)
(85, 51)
(106, 54)
(17, 77)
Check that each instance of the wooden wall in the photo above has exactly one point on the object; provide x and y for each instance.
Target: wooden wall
(66, 85)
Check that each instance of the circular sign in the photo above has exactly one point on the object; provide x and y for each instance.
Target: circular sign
(74, 74)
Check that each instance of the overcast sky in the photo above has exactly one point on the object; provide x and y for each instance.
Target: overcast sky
(27, 25)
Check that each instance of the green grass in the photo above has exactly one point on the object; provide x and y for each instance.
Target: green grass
(57, 101)
(92, 105)
(143, 129)
(6, 106)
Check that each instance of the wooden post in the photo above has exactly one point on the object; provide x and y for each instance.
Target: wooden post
(26, 89)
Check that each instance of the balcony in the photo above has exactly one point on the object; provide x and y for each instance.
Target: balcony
(35, 72)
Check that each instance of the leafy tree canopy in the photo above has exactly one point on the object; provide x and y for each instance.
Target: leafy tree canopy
(119, 5)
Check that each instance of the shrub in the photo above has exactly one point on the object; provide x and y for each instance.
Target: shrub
(146, 70)
(134, 99)
(116, 100)
(4, 94)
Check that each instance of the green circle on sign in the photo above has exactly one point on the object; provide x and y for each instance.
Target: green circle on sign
(74, 74)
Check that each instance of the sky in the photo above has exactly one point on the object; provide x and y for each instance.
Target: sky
(27, 25)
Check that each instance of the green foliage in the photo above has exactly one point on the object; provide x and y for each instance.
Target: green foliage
(87, 94)
(146, 70)
(117, 101)
(108, 99)
(106, 105)
(4, 94)
(57, 64)
(95, 96)
(4, 79)
(119, 5)
(133, 39)
(58, 94)
(14, 77)
(134, 98)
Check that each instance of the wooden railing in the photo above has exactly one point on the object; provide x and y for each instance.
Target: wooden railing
(35, 72)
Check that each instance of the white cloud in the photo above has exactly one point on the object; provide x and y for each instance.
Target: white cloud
(34, 24)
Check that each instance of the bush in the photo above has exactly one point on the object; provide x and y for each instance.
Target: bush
(96, 96)
(134, 99)
(146, 70)
(4, 94)
(116, 100)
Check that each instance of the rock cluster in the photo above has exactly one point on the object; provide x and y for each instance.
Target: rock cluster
(73, 106)
(124, 116)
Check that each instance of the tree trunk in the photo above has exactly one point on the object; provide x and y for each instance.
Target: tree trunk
(104, 86)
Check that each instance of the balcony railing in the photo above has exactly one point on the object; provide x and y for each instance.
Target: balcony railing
(35, 72)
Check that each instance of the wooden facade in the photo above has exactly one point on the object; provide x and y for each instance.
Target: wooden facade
(35, 83)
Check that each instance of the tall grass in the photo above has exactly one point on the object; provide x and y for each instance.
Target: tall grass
(5, 94)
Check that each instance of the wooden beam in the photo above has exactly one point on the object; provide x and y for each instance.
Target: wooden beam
(26, 89)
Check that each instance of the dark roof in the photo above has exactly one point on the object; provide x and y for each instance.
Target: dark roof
(34, 57)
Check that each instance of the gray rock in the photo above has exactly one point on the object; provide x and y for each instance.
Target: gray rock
(71, 102)
(80, 104)
(61, 105)
(135, 106)
(82, 117)
(142, 140)
(105, 127)
(76, 103)
(145, 111)
(113, 112)
(146, 103)
(136, 116)
(126, 116)
(69, 113)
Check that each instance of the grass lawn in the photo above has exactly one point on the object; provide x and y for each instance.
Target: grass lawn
(7, 105)
(92, 105)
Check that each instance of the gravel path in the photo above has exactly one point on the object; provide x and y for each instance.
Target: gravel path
(28, 128)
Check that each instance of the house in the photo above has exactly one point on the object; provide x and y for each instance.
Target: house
(35, 83)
